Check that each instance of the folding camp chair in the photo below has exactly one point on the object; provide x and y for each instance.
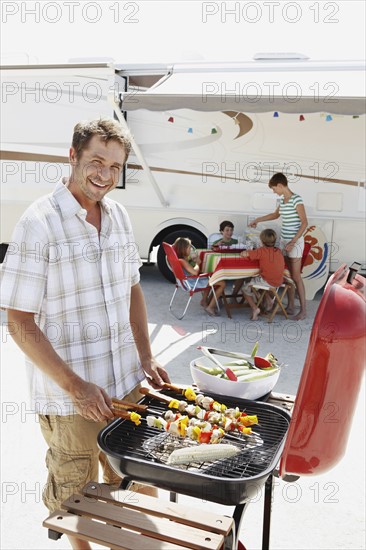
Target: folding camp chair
(182, 279)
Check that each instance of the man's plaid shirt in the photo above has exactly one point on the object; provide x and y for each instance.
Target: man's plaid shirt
(78, 285)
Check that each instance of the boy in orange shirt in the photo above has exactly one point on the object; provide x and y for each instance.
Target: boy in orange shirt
(271, 265)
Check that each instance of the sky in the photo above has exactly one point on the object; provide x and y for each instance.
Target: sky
(168, 31)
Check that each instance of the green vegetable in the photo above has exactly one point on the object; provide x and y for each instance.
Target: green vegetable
(208, 370)
(254, 350)
(238, 363)
(256, 375)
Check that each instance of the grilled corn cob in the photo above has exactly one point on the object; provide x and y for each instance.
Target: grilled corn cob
(202, 453)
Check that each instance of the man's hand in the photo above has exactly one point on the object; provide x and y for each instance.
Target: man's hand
(156, 374)
(92, 402)
(253, 224)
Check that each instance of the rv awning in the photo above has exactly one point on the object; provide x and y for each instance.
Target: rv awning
(293, 90)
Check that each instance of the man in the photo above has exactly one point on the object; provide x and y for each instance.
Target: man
(71, 286)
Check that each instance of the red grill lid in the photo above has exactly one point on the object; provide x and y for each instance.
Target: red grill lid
(330, 380)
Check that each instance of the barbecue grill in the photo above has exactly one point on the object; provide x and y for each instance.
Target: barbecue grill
(312, 441)
(141, 454)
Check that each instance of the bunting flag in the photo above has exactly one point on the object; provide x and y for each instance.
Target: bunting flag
(328, 118)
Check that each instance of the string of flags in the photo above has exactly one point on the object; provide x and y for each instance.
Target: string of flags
(328, 118)
(190, 129)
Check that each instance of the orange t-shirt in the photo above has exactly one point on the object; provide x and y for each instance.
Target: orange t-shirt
(271, 263)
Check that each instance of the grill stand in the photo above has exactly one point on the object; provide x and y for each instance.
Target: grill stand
(99, 511)
(232, 540)
(129, 458)
(267, 510)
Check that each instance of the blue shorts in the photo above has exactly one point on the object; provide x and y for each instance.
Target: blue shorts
(202, 282)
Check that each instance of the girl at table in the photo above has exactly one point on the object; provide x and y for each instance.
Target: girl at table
(271, 266)
(182, 247)
(294, 222)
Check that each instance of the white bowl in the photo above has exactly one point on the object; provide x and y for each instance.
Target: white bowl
(244, 390)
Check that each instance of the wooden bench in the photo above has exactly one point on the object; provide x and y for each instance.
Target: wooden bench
(123, 520)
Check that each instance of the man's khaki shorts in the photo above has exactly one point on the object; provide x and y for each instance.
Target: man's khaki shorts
(73, 456)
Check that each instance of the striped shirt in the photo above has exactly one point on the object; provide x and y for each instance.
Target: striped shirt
(78, 285)
(290, 218)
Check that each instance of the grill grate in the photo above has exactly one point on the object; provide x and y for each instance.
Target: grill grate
(142, 443)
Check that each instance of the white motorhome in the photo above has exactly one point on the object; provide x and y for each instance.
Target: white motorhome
(207, 137)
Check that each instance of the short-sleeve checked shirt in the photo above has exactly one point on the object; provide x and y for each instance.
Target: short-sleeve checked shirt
(78, 285)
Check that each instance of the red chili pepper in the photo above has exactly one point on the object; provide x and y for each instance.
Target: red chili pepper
(206, 415)
(261, 362)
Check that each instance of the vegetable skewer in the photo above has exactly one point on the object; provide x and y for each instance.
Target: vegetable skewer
(209, 410)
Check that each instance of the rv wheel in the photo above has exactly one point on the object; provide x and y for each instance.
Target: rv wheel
(198, 240)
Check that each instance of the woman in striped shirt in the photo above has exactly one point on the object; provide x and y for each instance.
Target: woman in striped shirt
(294, 222)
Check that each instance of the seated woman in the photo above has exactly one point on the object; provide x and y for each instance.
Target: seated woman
(182, 247)
(226, 230)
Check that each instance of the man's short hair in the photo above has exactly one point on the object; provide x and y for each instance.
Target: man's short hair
(107, 129)
(226, 223)
(278, 178)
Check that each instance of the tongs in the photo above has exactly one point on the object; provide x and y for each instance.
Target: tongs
(208, 353)
(243, 356)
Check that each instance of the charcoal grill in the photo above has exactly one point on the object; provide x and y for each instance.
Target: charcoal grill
(229, 481)
(311, 443)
